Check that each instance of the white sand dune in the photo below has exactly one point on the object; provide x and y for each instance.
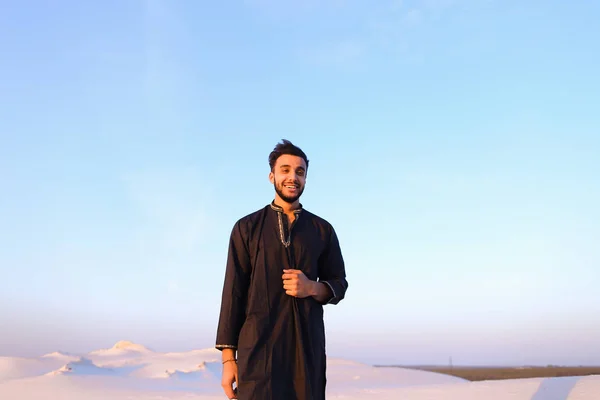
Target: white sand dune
(122, 348)
(60, 355)
(570, 388)
(352, 375)
(158, 368)
(18, 367)
(207, 372)
(83, 367)
(133, 372)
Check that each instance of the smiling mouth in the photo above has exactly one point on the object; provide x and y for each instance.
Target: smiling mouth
(291, 187)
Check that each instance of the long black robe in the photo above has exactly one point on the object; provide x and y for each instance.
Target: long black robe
(280, 339)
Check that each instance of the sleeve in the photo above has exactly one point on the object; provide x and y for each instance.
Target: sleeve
(235, 290)
(332, 270)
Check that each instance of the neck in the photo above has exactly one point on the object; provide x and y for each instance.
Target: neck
(288, 208)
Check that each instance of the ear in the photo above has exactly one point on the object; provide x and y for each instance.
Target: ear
(272, 177)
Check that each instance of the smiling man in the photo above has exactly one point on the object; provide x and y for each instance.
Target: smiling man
(284, 264)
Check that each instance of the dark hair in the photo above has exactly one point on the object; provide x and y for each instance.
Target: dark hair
(286, 147)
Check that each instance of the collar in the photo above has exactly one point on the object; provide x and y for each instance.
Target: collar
(277, 208)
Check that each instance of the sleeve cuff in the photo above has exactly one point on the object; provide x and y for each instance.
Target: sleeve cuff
(332, 291)
(225, 346)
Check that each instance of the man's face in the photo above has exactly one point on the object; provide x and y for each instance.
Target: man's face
(289, 177)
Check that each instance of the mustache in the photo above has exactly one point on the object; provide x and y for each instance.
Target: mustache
(296, 183)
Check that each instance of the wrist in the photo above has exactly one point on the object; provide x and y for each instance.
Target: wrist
(321, 292)
(228, 354)
(317, 289)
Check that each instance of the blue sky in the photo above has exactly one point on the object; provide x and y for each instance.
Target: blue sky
(453, 144)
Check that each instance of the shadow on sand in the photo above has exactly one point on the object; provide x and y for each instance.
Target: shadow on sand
(556, 388)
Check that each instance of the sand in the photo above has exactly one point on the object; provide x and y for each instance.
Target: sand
(130, 371)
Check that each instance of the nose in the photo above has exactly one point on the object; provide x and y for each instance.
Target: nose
(293, 176)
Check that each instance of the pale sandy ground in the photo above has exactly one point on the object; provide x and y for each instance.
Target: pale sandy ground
(129, 371)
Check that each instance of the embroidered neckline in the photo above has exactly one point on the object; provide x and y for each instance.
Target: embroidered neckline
(279, 210)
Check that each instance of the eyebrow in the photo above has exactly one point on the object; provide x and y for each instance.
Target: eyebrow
(289, 166)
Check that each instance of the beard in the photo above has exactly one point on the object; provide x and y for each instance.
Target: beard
(288, 199)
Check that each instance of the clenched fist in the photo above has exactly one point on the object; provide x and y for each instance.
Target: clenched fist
(297, 284)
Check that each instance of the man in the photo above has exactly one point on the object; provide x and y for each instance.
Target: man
(284, 264)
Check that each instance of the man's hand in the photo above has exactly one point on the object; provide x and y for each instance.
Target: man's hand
(297, 284)
(230, 375)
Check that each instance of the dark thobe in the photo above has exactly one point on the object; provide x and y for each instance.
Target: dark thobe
(280, 339)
